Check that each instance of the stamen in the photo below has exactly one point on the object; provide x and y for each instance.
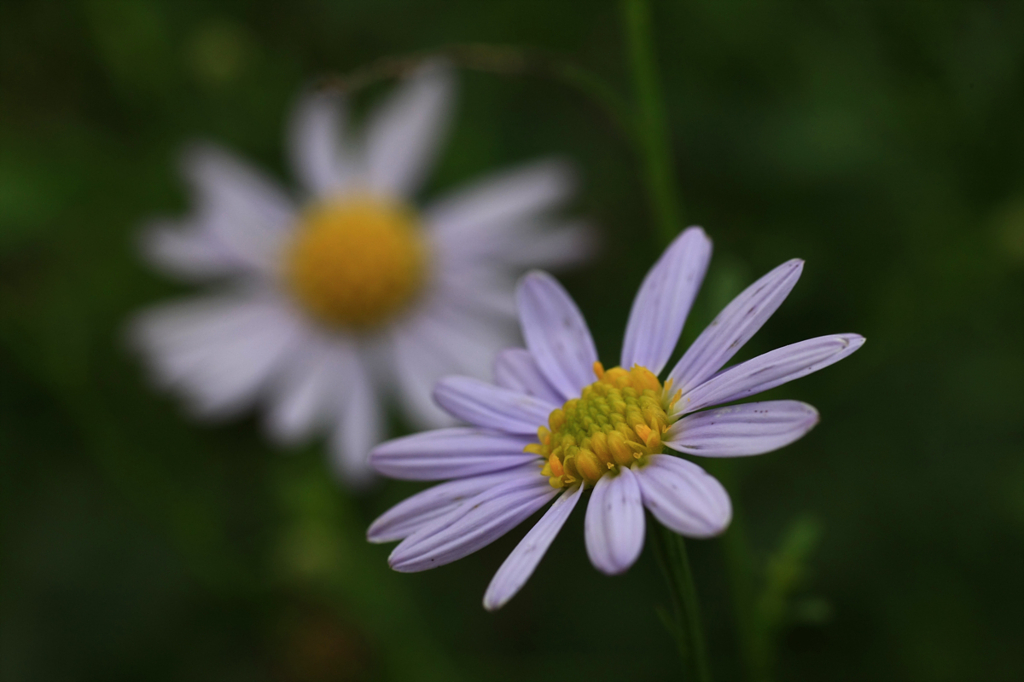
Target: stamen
(617, 420)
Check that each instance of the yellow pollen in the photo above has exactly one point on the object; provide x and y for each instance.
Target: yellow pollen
(617, 420)
(356, 262)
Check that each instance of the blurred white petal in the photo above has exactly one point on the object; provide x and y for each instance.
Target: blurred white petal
(187, 251)
(360, 428)
(472, 217)
(246, 212)
(305, 394)
(315, 142)
(405, 132)
(218, 351)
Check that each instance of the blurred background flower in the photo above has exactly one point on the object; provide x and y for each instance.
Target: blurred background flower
(333, 300)
(881, 142)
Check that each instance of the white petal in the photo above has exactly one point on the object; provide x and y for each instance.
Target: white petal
(360, 428)
(664, 300)
(556, 334)
(218, 351)
(614, 525)
(520, 564)
(406, 131)
(426, 507)
(492, 407)
(315, 142)
(683, 497)
(305, 393)
(474, 524)
(769, 370)
(540, 246)
(734, 326)
(450, 453)
(471, 218)
(475, 287)
(245, 211)
(516, 369)
(439, 342)
(739, 430)
(417, 369)
(187, 251)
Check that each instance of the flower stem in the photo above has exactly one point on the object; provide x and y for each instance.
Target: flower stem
(670, 552)
(651, 124)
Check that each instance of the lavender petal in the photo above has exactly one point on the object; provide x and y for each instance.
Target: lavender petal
(740, 430)
(474, 524)
(492, 407)
(556, 333)
(520, 564)
(770, 370)
(614, 525)
(664, 300)
(457, 452)
(734, 326)
(683, 497)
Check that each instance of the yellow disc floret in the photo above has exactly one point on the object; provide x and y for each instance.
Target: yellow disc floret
(617, 420)
(356, 262)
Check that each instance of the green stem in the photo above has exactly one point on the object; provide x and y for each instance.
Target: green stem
(652, 126)
(670, 553)
(738, 566)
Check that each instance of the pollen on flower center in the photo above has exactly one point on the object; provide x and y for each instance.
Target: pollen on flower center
(356, 262)
(617, 420)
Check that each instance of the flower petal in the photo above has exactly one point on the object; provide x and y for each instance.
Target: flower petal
(246, 212)
(478, 288)
(739, 430)
(683, 497)
(492, 407)
(304, 394)
(734, 326)
(359, 429)
(441, 339)
(770, 370)
(664, 300)
(187, 251)
(614, 525)
(474, 524)
(520, 564)
(450, 453)
(538, 245)
(218, 351)
(516, 369)
(416, 370)
(315, 141)
(405, 132)
(556, 333)
(426, 507)
(469, 219)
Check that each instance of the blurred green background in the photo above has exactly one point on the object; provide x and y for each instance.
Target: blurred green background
(882, 142)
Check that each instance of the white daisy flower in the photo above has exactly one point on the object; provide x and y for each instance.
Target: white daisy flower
(556, 423)
(331, 300)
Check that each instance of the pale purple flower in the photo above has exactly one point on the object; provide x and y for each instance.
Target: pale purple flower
(331, 299)
(555, 423)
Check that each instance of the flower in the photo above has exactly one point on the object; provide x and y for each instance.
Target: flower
(557, 422)
(330, 301)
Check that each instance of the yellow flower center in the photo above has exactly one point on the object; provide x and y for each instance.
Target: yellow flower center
(617, 420)
(356, 262)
